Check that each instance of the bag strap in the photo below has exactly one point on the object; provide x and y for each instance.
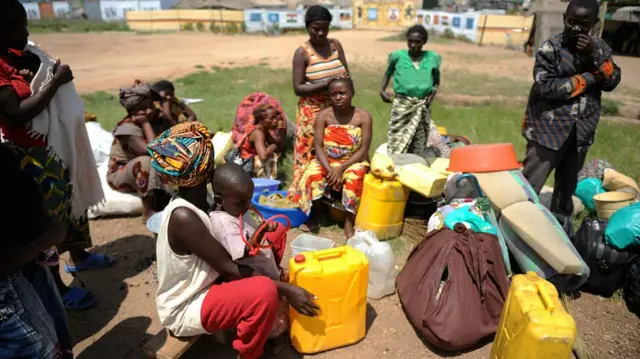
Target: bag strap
(254, 246)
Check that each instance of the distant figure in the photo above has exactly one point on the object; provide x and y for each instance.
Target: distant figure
(315, 64)
(571, 71)
(416, 77)
(130, 168)
(257, 153)
(342, 141)
(173, 108)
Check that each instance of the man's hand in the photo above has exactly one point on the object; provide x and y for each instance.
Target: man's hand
(586, 45)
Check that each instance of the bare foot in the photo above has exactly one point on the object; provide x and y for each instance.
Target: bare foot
(349, 230)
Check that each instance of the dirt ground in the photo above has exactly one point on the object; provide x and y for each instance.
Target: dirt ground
(125, 317)
(110, 60)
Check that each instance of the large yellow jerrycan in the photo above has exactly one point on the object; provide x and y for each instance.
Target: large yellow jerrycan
(534, 324)
(382, 207)
(338, 277)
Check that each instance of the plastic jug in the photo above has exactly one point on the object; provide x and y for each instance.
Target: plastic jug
(422, 179)
(534, 323)
(222, 143)
(382, 207)
(338, 278)
(382, 262)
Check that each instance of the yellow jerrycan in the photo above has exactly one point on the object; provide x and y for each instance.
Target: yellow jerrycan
(382, 207)
(338, 277)
(534, 324)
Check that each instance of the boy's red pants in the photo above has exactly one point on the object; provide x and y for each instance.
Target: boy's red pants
(249, 305)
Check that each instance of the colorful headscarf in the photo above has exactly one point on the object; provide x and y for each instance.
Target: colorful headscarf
(131, 97)
(183, 154)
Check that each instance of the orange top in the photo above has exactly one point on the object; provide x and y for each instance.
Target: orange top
(320, 68)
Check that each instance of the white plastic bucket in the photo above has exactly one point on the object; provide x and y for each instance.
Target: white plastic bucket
(308, 243)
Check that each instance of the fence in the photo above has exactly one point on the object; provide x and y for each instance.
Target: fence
(261, 20)
(176, 20)
(37, 11)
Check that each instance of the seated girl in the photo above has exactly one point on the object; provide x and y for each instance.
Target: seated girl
(342, 140)
(130, 168)
(244, 118)
(172, 107)
(258, 152)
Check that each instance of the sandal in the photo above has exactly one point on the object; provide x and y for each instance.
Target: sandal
(93, 261)
(78, 299)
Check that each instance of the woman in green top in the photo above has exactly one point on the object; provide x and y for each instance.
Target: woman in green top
(416, 76)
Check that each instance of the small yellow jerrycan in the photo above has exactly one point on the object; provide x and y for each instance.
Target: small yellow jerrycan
(534, 324)
(338, 277)
(382, 207)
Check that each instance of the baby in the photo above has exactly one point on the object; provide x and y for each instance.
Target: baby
(233, 189)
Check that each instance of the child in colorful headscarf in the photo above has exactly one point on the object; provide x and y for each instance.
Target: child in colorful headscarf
(201, 290)
(342, 140)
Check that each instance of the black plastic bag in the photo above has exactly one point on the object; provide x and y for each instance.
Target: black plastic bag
(607, 265)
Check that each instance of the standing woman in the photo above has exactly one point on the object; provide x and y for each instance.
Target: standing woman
(18, 107)
(315, 64)
(416, 77)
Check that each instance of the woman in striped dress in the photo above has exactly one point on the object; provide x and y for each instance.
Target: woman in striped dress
(315, 64)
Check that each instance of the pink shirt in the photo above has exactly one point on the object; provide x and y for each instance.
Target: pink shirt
(226, 230)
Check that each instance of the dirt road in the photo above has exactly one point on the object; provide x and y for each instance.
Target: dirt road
(110, 60)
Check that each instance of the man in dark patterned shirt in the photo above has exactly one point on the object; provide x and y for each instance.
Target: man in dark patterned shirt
(570, 73)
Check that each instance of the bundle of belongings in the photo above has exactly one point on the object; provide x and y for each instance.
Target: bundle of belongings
(609, 238)
(490, 226)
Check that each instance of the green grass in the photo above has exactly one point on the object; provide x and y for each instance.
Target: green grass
(433, 38)
(63, 25)
(223, 89)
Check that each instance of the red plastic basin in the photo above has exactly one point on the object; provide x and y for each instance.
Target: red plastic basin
(492, 157)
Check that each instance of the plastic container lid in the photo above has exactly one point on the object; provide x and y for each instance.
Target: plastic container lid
(299, 258)
(484, 158)
(154, 222)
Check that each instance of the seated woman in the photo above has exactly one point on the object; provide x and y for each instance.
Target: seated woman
(130, 168)
(342, 140)
(201, 289)
(244, 117)
(175, 110)
(258, 153)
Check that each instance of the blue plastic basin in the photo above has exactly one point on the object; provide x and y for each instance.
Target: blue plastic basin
(264, 184)
(295, 215)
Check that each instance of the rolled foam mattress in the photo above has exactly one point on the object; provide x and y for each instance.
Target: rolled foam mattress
(506, 188)
(541, 231)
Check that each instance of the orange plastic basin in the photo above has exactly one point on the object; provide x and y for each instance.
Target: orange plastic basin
(492, 157)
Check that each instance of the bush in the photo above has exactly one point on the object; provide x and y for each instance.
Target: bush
(464, 38)
(187, 27)
(64, 25)
(232, 28)
(449, 34)
(610, 107)
(200, 26)
(213, 27)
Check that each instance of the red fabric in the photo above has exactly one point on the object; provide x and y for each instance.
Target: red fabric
(248, 149)
(10, 76)
(248, 305)
(278, 239)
